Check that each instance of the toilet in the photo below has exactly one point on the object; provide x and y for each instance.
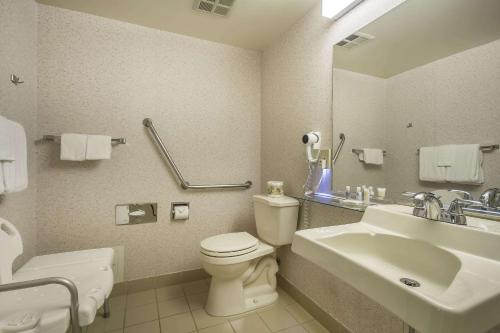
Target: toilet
(243, 267)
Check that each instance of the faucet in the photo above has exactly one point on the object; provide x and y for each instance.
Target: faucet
(490, 199)
(429, 206)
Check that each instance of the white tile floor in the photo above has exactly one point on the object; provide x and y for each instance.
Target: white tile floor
(179, 309)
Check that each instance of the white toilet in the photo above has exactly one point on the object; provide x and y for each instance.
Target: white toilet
(243, 268)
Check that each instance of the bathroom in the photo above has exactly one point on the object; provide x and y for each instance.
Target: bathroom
(198, 119)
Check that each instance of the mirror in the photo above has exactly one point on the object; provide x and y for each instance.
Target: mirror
(425, 74)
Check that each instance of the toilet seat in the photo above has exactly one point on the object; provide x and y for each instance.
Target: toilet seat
(229, 245)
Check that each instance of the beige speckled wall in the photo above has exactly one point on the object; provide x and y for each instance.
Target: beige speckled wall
(452, 100)
(18, 31)
(360, 112)
(296, 98)
(98, 75)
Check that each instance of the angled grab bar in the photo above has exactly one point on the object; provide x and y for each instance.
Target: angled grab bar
(147, 122)
(73, 292)
(339, 148)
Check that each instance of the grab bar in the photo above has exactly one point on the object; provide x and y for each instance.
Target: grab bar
(339, 148)
(147, 122)
(73, 292)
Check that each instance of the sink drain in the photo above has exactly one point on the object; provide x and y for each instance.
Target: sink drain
(410, 282)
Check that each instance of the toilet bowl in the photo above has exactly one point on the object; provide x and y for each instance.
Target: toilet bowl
(243, 267)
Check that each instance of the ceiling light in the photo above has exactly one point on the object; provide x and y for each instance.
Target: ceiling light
(335, 9)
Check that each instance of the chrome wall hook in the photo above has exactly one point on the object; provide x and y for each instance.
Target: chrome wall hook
(15, 79)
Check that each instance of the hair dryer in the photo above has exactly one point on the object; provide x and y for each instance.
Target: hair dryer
(312, 140)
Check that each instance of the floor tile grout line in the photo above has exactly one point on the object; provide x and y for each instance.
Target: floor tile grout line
(125, 313)
(157, 308)
(265, 324)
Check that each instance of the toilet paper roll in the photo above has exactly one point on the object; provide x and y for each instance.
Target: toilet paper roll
(181, 212)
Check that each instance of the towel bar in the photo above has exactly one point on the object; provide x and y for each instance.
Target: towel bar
(484, 148)
(57, 138)
(360, 151)
(185, 184)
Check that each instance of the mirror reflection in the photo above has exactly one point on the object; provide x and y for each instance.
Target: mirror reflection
(416, 94)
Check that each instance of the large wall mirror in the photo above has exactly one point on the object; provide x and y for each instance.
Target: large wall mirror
(426, 74)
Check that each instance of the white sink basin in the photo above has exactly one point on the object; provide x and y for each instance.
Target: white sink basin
(457, 268)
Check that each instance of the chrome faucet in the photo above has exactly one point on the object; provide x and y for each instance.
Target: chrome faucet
(429, 206)
(490, 199)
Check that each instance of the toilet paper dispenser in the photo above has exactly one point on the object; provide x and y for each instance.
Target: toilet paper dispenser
(179, 211)
(136, 213)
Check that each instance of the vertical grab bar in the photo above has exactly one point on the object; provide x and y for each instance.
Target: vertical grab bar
(147, 122)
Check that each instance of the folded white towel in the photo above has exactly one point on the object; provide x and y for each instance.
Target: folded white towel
(73, 147)
(15, 173)
(428, 165)
(446, 155)
(6, 140)
(467, 167)
(98, 147)
(372, 156)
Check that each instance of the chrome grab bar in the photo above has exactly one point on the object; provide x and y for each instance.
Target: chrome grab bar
(147, 122)
(73, 292)
(339, 148)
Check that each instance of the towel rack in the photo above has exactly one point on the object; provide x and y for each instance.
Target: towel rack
(360, 151)
(57, 138)
(185, 184)
(484, 148)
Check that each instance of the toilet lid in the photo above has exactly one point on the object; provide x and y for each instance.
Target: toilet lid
(228, 245)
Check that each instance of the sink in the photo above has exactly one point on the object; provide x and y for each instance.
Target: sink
(399, 257)
(437, 277)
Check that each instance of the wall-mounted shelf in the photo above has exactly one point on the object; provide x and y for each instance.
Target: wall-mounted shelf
(339, 202)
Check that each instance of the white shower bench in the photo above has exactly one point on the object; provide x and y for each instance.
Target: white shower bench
(50, 292)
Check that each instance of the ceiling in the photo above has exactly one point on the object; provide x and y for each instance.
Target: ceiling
(251, 24)
(419, 32)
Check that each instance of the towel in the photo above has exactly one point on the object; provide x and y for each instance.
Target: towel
(428, 165)
(372, 156)
(6, 140)
(73, 147)
(467, 167)
(446, 155)
(98, 147)
(15, 173)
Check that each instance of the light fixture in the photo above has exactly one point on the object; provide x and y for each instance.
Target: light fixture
(335, 9)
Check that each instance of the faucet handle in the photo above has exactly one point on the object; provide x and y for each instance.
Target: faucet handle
(490, 198)
(421, 197)
(465, 195)
(427, 205)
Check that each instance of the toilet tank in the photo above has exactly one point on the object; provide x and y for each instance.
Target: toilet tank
(276, 218)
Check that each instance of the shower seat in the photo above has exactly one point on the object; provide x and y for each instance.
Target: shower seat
(47, 308)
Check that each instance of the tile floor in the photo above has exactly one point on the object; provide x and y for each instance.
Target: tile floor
(179, 309)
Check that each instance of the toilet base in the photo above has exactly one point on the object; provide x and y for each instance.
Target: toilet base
(253, 289)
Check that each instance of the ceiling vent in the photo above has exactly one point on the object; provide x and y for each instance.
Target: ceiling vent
(355, 40)
(217, 7)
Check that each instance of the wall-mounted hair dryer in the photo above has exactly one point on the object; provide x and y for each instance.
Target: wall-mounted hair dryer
(312, 140)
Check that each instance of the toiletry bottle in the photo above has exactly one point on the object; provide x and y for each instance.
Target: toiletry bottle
(366, 195)
(372, 192)
(347, 192)
(359, 194)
